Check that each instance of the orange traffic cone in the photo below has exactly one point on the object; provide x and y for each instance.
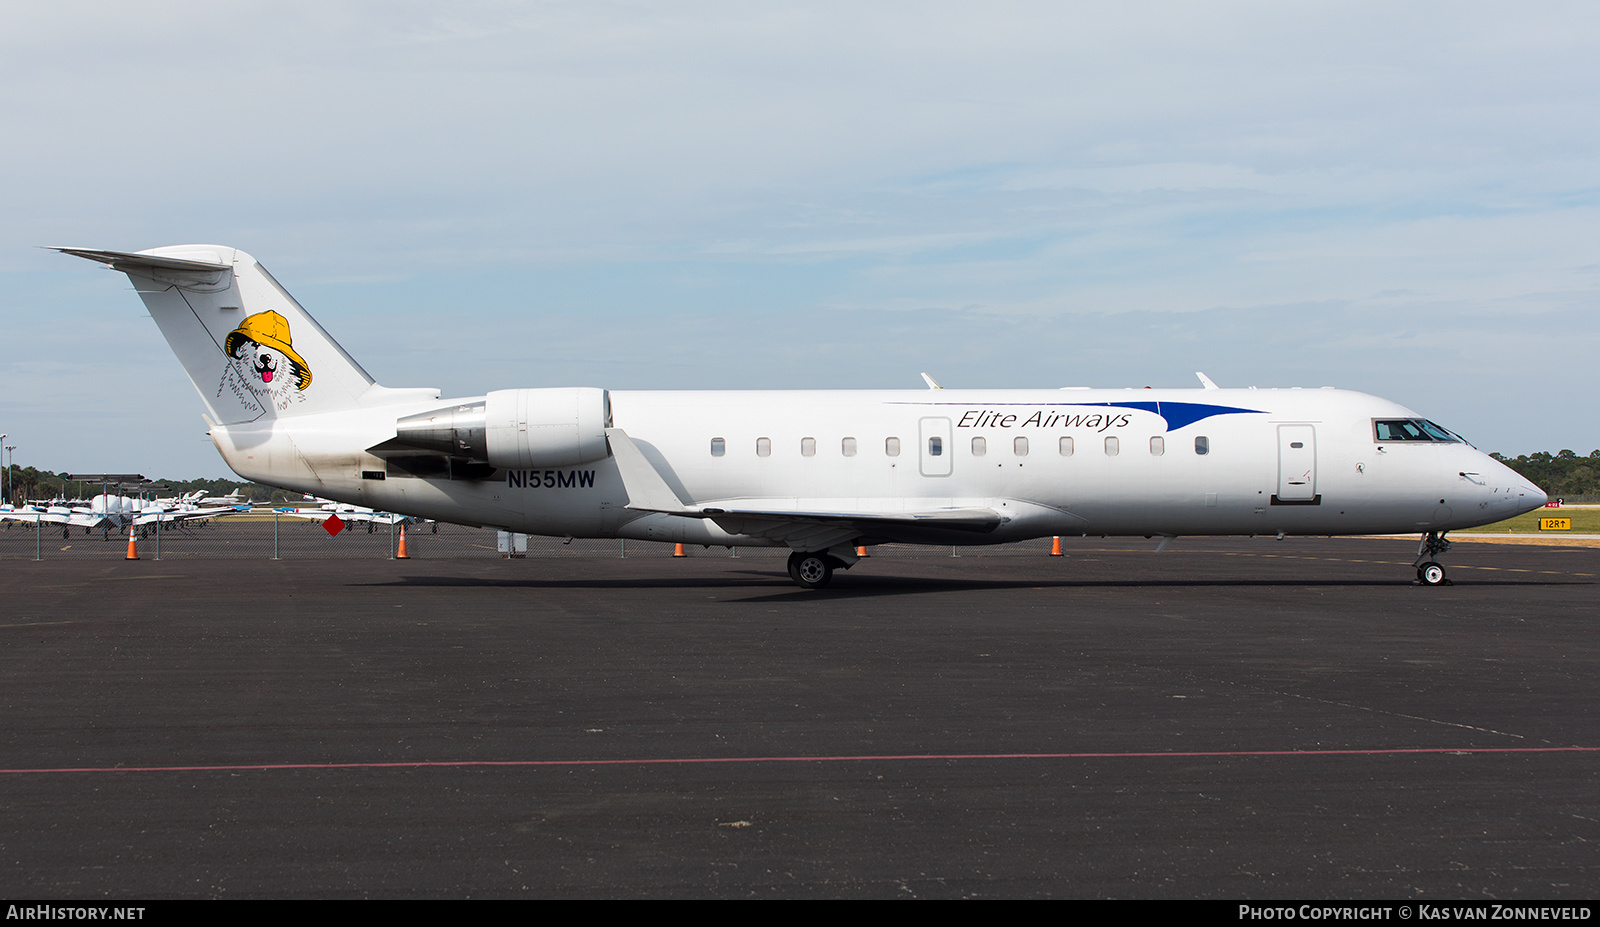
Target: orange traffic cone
(1055, 547)
(861, 550)
(401, 553)
(678, 551)
(133, 544)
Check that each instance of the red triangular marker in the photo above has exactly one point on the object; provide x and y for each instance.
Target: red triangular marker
(333, 525)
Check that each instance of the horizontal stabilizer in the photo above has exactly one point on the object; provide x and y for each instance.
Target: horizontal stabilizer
(123, 260)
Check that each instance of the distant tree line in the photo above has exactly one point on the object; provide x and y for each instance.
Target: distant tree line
(24, 484)
(1562, 475)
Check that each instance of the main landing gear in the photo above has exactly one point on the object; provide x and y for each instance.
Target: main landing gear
(810, 570)
(813, 569)
(1429, 571)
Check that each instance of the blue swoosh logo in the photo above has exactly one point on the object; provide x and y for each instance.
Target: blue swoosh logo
(1176, 414)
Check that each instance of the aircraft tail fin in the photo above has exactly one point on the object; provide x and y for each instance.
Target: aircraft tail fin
(251, 351)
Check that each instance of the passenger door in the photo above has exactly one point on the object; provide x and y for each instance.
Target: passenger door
(1297, 466)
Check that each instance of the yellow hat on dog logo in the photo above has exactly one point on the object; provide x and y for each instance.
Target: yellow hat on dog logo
(270, 330)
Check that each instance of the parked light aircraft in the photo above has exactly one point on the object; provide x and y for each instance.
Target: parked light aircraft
(109, 512)
(820, 473)
(350, 514)
(199, 498)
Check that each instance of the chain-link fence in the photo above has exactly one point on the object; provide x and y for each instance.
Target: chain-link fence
(288, 538)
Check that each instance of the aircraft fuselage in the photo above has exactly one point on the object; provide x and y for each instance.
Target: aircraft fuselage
(1051, 462)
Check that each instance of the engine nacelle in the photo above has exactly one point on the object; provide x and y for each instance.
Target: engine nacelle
(527, 428)
(517, 429)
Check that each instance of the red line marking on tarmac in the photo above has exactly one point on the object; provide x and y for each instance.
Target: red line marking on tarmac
(845, 758)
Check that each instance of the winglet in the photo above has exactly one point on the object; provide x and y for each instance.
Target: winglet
(647, 491)
(932, 383)
(1205, 381)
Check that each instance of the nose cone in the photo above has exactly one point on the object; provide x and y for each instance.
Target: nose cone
(1522, 495)
(1532, 498)
(1509, 492)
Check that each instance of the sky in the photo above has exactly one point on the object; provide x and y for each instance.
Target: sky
(1402, 199)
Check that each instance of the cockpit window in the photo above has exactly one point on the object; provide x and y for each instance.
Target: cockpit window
(1399, 430)
(1410, 429)
(1437, 433)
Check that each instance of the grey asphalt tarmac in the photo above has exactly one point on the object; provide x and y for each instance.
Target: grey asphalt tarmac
(1238, 719)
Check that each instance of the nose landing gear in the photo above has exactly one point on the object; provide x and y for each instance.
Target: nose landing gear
(1429, 571)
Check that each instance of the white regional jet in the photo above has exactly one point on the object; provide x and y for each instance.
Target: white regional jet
(817, 472)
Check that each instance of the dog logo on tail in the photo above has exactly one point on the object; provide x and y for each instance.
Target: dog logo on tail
(263, 359)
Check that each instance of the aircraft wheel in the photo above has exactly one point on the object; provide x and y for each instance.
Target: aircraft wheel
(812, 571)
(1431, 574)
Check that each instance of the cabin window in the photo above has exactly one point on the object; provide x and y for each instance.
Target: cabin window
(891, 446)
(847, 447)
(979, 447)
(1202, 445)
(718, 447)
(1066, 446)
(808, 447)
(1112, 446)
(763, 447)
(1019, 446)
(1158, 446)
(935, 446)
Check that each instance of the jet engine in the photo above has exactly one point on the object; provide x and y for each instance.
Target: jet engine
(517, 429)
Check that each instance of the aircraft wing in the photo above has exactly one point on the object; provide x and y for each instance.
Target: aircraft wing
(54, 515)
(790, 520)
(816, 530)
(146, 518)
(975, 520)
(357, 518)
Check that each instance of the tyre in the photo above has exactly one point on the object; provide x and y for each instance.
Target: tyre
(812, 571)
(1431, 574)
